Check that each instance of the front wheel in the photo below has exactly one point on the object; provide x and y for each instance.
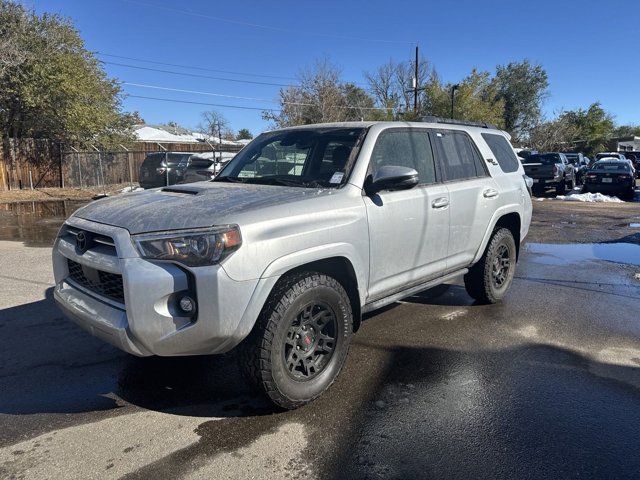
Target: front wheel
(489, 279)
(300, 341)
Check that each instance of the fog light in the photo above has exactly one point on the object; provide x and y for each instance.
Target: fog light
(187, 304)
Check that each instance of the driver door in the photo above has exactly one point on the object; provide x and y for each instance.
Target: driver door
(408, 229)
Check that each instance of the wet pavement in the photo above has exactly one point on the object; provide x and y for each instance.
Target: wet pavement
(545, 384)
(35, 223)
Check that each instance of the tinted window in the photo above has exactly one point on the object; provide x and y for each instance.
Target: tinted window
(609, 166)
(459, 157)
(405, 148)
(545, 158)
(502, 151)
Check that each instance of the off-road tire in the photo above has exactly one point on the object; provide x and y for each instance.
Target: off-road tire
(261, 356)
(561, 187)
(572, 184)
(479, 281)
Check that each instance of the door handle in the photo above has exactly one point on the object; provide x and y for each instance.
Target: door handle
(441, 202)
(490, 193)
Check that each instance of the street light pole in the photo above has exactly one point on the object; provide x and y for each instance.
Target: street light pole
(415, 85)
(453, 92)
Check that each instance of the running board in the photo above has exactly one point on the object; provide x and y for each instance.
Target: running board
(383, 302)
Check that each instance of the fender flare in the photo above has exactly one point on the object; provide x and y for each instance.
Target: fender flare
(283, 264)
(500, 212)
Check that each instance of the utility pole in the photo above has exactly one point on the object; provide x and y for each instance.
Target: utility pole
(453, 92)
(415, 85)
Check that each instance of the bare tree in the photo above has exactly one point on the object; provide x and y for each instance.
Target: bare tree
(553, 135)
(214, 124)
(392, 84)
(321, 96)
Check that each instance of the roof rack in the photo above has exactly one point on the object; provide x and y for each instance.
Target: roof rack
(453, 121)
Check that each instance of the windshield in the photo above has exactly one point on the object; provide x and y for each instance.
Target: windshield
(162, 159)
(605, 155)
(611, 166)
(316, 157)
(572, 157)
(545, 158)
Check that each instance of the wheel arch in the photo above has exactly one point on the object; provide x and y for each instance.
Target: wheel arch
(504, 218)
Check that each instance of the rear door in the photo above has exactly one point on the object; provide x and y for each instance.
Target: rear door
(408, 229)
(473, 194)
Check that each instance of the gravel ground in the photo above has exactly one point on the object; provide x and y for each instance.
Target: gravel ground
(545, 384)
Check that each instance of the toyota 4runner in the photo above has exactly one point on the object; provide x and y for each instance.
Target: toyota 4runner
(306, 229)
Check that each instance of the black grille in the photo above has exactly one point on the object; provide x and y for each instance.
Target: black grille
(104, 283)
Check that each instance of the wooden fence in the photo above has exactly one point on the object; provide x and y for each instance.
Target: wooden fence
(34, 163)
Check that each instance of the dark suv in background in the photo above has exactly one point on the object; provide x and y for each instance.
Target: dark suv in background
(160, 169)
(580, 164)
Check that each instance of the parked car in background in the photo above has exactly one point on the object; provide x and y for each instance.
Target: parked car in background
(303, 232)
(160, 169)
(205, 166)
(603, 155)
(611, 176)
(550, 170)
(634, 157)
(580, 164)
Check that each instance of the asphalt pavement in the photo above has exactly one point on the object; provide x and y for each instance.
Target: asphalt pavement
(545, 384)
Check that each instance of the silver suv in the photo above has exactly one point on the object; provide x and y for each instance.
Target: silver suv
(302, 232)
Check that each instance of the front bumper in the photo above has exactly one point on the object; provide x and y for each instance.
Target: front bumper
(147, 322)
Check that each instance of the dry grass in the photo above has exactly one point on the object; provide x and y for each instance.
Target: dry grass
(43, 194)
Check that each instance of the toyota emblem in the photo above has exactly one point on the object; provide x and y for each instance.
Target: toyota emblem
(81, 242)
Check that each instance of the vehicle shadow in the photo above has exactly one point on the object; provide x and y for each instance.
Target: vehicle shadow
(446, 294)
(50, 365)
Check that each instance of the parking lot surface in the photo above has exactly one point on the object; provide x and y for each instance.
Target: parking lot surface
(545, 384)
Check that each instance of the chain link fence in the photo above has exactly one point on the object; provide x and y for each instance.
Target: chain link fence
(31, 164)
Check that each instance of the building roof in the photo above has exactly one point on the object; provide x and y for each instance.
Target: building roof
(173, 134)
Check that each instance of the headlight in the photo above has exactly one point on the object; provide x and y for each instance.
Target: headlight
(194, 248)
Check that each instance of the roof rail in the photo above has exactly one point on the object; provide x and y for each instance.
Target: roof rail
(453, 121)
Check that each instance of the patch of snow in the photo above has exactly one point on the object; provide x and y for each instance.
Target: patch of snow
(539, 199)
(148, 133)
(131, 189)
(589, 197)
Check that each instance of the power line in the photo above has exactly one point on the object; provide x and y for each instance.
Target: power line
(197, 75)
(197, 92)
(102, 54)
(204, 103)
(265, 27)
(188, 74)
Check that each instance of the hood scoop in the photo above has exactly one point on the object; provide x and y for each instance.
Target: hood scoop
(181, 190)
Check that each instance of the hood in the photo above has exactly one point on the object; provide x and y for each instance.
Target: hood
(196, 205)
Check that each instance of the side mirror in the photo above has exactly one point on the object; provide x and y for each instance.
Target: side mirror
(391, 177)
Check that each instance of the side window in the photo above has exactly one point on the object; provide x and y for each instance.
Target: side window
(405, 148)
(502, 151)
(459, 157)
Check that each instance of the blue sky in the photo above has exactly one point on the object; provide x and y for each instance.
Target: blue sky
(589, 48)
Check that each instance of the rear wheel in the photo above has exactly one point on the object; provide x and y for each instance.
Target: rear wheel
(300, 341)
(489, 279)
(561, 188)
(571, 184)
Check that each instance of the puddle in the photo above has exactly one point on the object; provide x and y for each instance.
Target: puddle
(563, 254)
(35, 223)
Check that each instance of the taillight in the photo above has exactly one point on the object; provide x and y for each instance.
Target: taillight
(624, 177)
